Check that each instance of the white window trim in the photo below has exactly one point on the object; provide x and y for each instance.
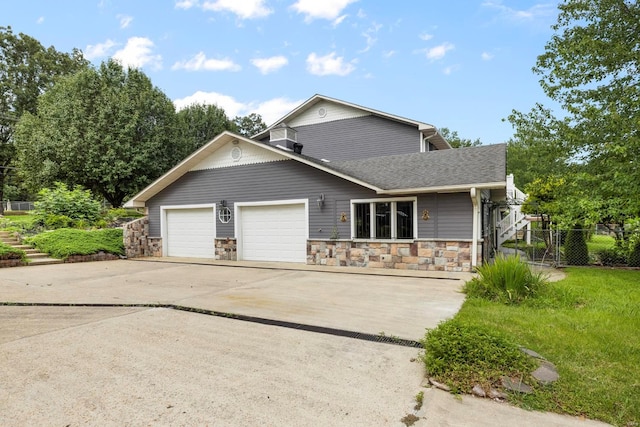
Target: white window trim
(163, 220)
(372, 224)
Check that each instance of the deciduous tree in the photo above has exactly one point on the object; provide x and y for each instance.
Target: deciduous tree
(591, 68)
(27, 69)
(107, 129)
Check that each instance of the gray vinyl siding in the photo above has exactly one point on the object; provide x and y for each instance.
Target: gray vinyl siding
(272, 181)
(450, 214)
(362, 137)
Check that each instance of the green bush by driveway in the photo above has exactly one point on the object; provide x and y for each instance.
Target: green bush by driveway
(65, 242)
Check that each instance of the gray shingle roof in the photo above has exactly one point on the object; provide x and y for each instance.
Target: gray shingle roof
(442, 168)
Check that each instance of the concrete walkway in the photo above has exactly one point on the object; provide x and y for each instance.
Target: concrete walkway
(154, 366)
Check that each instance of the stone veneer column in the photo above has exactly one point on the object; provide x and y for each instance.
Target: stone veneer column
(137, 242)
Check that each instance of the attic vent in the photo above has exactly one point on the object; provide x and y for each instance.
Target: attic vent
(283, 133)
(322, 112)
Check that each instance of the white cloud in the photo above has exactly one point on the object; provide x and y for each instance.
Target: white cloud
(125, 20)
(186, 4)
(99, 50)
(339, 20)
(450, 69)
(40, 20)
(274, 109)
(269, 65)
(361, 14)
(270, 110)
(321, 9)
(425, 36)
(486, 56)
(388, 54)
(244, 9)
(369, 36)
(328, 65)
(200, 62)
(438, 52)
(534, 12)
(137, 53)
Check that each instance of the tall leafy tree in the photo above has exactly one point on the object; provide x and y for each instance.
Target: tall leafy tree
(107, 129)
(249, 125)
(197, 124)
(456, 141)
(591, 68)
(27, 69)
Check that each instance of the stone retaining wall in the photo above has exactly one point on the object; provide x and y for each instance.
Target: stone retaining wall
(226, 249)
(100, 256)
(11, 263)
(137, 242)
(425, 255)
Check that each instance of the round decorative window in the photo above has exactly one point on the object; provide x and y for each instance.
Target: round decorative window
(236, 154)
(322, 111)
(224, 215)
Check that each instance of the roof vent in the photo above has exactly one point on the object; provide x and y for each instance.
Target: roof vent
(283, 135)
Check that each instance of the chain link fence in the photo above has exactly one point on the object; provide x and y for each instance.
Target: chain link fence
(562, 247)
(17, 206)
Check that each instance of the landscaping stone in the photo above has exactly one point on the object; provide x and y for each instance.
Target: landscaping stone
(477, 390)
(546, 373)
(441, 386)
(497, 394)
(531, 353)
(516, 384)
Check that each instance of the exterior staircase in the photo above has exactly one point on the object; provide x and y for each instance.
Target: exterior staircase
(515, 220)
(34, 257)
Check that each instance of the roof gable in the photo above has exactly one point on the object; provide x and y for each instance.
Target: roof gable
(309, 112)
(237, 153)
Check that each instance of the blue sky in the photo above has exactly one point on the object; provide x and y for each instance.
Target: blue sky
(461, 64)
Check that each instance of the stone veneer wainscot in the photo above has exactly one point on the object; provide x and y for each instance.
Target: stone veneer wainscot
(427, 255)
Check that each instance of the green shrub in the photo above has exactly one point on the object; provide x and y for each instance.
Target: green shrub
(612, 256)
(461, 355)
(575, 248)
(507, 280)
(53, 221)
(634, 255)
(75, 204)
(64, 242)
(8, 252)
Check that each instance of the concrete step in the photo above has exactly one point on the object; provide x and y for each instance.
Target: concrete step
(8, 239)
(23, 247)
(44, 261)
(35, 255)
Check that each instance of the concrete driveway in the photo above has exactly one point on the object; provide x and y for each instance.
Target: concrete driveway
(157, 366)
(399, 305)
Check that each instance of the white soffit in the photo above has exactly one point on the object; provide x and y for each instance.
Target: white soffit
(239, 154)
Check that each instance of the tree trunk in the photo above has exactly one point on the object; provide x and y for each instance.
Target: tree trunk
(3, 173)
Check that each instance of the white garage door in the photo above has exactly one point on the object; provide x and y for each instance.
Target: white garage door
(274, 233)
(190, 232)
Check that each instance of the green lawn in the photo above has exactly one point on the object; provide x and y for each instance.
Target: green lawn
(16, 222)
(597, 243)
(590, 328)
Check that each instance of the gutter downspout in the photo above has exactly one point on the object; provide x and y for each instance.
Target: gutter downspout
(474, 240)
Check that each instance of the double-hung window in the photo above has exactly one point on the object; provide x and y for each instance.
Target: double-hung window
(384, 219)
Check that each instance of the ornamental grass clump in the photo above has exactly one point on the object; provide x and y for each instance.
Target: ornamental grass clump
(507, 280)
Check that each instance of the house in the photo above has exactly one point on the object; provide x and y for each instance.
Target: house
(331, 183)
